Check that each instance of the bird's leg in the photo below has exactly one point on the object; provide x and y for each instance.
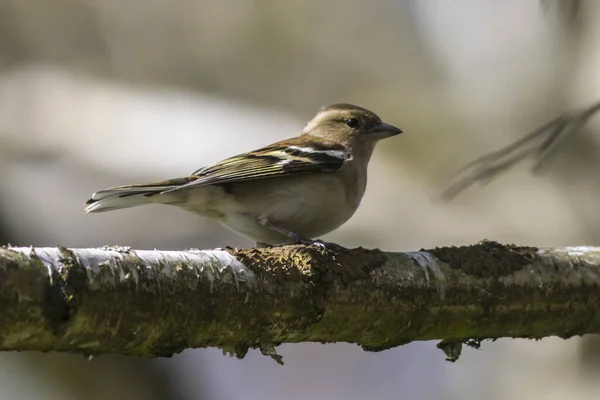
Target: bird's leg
(298, 239)
(293, 236)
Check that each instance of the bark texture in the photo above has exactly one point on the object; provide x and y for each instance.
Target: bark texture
(157, 303)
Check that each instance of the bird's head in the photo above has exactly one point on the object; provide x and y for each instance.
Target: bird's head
(349, 124)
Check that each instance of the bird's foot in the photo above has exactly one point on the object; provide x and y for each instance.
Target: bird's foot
(297, 239)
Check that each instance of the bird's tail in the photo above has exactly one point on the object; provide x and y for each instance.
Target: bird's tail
(131, 195)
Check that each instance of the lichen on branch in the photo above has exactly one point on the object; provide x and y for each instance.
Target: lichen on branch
(157, 303)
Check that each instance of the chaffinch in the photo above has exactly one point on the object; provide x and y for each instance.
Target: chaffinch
(294, 190)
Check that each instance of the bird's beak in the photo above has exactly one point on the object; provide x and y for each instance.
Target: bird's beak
(384, 130)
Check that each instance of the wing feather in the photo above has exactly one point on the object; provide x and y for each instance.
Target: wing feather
(293, 156)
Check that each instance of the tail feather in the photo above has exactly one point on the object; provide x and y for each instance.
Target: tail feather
(130, 195)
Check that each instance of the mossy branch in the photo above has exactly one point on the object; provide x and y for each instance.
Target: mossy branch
(157, 303)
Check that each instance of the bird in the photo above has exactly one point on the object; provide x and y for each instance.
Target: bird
(290, 192)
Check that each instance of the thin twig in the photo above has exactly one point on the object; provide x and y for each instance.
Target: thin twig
(540, 144)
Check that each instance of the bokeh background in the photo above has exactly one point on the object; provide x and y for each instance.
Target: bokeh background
(96, 93)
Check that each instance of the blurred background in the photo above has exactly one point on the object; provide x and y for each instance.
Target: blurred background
(97, 93)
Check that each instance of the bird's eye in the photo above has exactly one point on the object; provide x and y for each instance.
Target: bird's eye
(352, 122)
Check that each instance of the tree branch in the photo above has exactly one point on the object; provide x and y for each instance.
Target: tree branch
(540, 145)
(157, 303)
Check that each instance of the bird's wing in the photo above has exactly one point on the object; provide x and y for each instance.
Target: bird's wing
(292, 156)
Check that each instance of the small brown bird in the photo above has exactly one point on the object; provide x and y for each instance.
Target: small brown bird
(294, 190)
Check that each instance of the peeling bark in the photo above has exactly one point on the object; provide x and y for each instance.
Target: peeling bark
(157, 303)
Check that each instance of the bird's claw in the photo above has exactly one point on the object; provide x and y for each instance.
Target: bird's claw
(317, 243)
(297, 239)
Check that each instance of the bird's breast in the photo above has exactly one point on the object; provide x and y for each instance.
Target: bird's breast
(309, 205)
